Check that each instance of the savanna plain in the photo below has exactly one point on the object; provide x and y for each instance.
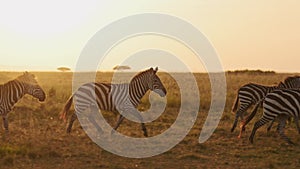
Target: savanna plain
(38, 138)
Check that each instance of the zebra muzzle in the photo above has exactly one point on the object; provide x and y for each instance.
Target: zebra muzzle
(160, 92)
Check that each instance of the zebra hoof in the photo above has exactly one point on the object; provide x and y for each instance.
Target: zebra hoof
(6, 132)
(251, 140)
(291, 143)
(232, 129)
(100, 131)
(68, 131)
(112, 131)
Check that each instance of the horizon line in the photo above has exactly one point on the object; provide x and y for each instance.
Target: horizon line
(134, 71)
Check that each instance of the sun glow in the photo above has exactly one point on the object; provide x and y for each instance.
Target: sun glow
(44, 18)
(43, 35)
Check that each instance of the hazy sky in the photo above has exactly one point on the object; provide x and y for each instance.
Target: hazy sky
(248, 34)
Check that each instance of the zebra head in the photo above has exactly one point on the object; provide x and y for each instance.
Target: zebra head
(155, 83)
(31, 86)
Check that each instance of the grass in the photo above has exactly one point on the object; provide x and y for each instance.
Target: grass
(37, 137)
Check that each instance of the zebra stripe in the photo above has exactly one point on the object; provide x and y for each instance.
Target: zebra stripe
(281, 104)
(290, 82)
(114, 97)
(252, 93)
(12, 91)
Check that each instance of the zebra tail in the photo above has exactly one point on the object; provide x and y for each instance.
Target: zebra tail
(64, 112)
(234, 108)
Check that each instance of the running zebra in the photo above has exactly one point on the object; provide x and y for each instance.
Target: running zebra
(252, 93)
(12, 91)
(279, 104)
(114, 97)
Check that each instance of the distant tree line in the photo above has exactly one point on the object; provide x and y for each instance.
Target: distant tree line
(251, 72)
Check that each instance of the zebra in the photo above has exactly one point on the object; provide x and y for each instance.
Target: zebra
(114, 97)
(252, 93)
(12, 91)
(289, 82)
(281, 104)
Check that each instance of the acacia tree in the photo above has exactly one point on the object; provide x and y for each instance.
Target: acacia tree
(63, 69)
(119, 67)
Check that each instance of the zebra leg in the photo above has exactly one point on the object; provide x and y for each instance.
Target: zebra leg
(257, 125)
(92, 116)
(144, 129)
(247, 120)
(281, 127)
(239, 114)
(138, 115)
(5, 123)
(270, 126)
(93, 121)
(121, 118)
(296, 120)
(72, 119)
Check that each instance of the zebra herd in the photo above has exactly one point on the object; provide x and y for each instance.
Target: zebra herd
(279, 102)
(123, 98)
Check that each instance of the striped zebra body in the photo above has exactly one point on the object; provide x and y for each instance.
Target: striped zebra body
(12, 91)
(114, 97)
(292, 82)
(281, 104)
(251, 93)
(85, 96)
(109, 97)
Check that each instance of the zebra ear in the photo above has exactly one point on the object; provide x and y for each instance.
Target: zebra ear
(156, 69)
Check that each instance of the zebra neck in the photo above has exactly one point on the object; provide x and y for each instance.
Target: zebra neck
(137, 90)
(14, 91)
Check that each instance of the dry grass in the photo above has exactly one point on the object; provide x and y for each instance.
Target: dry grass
(37, 137)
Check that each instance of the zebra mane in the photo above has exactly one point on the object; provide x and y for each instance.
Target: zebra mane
(151, 70)
(27, 78)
